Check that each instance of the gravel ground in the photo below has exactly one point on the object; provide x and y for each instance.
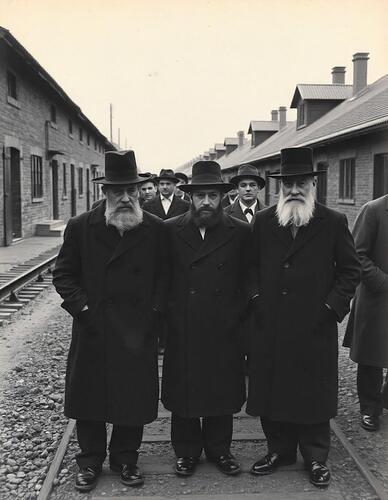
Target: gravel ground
(34, 348)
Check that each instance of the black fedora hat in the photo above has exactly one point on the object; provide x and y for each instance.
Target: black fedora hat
(148, 177)
(296, 162)
(120, 168)
(167, 175)
(182, 177)
(206, 174)
(248, 171)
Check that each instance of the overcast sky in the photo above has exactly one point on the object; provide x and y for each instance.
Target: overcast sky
(184, 74)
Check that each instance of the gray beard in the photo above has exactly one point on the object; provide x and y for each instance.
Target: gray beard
(295, 212)
(124, 220)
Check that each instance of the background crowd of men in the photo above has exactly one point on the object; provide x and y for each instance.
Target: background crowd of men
(233, 290)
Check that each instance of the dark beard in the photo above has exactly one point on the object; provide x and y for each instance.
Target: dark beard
(206, 220)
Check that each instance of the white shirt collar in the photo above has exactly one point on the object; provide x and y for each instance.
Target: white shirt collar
(244, 207)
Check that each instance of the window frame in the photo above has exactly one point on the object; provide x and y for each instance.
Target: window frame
(37, 184)
(347, 181)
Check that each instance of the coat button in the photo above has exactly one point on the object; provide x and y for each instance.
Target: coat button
(192, 291)
(193, 266)
(220, 266)
(284, 292)
(286, 265)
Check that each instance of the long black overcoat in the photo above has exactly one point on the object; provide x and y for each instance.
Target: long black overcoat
(235, 210)
(112, 372)
(367, 329)
(203, 370)
(293, 357)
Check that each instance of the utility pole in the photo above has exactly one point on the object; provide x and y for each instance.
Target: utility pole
(111, 122)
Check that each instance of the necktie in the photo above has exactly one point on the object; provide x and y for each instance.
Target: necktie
(248, 214)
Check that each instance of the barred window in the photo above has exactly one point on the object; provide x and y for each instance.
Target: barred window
(80, 181)
(64, 187)
(36, 176)
(12, 87)
(347, 178)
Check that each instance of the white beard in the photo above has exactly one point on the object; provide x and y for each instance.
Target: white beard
(124, 220)
(295, 213)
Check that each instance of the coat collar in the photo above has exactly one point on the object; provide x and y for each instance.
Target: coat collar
(214, 239)
(305, 233)
(111, 238)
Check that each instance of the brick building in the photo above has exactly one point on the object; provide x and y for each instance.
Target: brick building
(50, 150)
(347, 128)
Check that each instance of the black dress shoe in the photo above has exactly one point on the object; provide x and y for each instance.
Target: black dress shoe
(86, 478)
(227, 464)
(319, 474)
(269, 463)
(185, 466)
(130, 474)
(370, 422)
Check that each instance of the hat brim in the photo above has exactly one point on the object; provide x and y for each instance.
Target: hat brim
(221, 186)
(260, 181)
(138, 180)
(304, 174)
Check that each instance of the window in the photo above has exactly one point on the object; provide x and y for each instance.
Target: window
(64, 187)
(347, 177)
(301, 115)
(380, 175)
(36, 177)
(70, 126)
(81, 134)
(88, 139)
(277, 186)
(80, 181)
(95, 144)
(53, 114)
(11, 82)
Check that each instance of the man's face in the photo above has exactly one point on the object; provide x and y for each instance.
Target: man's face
(166, 188)
(148, 191)
(121, 198)
(296, 189)
(206, 206)
(248, 190)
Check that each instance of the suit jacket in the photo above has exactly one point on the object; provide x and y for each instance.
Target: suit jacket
(366, 332)
(177, 207)
(293, 357)
(225, 202)
(235, 210)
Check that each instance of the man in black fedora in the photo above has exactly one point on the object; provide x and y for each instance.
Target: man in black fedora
(307, 272)
(248, 184)
(110, 273)
(183, 179)
(203, 370)
(166, 204)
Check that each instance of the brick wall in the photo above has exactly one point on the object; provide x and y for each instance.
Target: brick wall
(25, 125)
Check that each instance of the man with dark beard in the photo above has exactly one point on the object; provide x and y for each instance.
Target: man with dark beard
(203, 370)
(111, 275)
(307, 272)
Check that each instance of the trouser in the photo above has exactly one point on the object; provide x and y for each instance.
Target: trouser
(371, 390)
(283, 438)
(189, 438)
(92, 440)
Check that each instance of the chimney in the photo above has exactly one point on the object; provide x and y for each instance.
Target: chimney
(274, 115)
(282, 117)
(240, 135)
(360, 69)
(338, 75)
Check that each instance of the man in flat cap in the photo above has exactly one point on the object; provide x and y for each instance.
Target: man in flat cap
(307, 272)
(248, 184)
(166, 204)
(110, 273)
(203, 370)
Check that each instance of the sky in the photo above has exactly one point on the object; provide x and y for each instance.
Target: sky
(184, 74)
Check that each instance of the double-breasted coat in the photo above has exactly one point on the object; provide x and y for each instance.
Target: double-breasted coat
(367, 329)
(235, 210)
(293, 354)
(112, 370)
(203, 370)
(178, 206)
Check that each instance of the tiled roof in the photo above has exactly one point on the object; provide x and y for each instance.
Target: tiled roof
(366, 110)
(334, 92)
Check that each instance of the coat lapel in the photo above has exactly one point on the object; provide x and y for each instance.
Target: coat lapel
(130, 239)
(215, 238)
(107, 235)
(189, 233)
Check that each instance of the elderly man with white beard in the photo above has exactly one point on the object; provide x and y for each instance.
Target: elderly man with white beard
(111, 274)
(307, 273)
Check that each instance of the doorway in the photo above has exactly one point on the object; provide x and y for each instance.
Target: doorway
(87, 189)
(380, 175)
(54, 174)
(73, 191)
(12, 196)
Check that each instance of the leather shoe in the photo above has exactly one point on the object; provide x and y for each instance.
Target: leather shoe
(185, 466)
(226, 464)
(269, 463)
(130, 474)
(370, 422)
(319, 474)
(87, 478)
